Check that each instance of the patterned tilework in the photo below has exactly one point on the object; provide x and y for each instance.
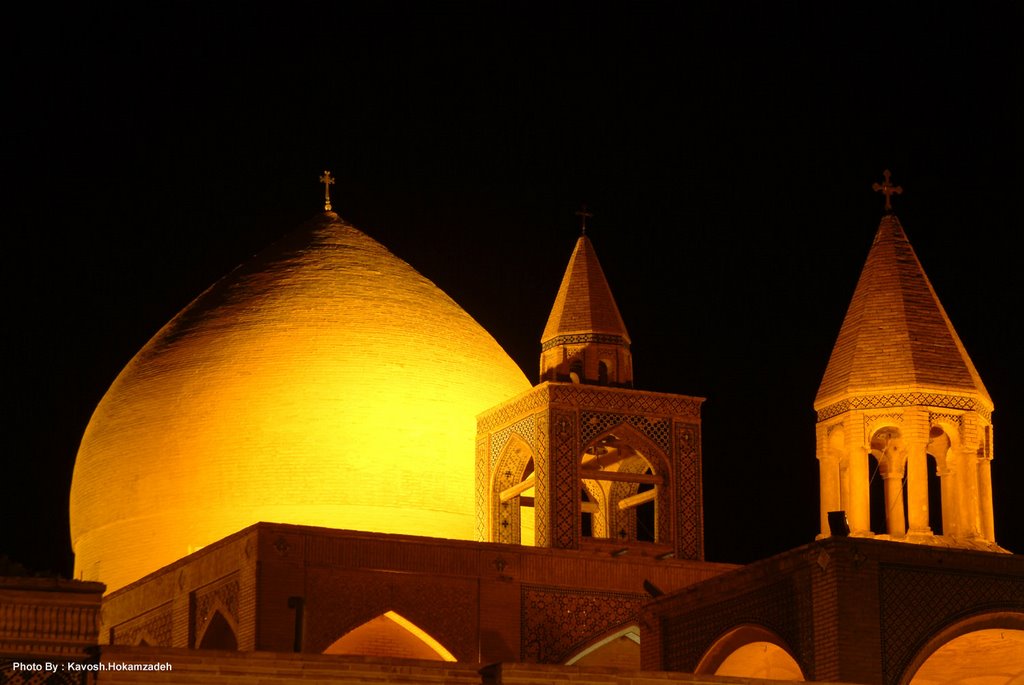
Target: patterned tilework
(625, 401)
(222, 596)
(445, 608)
(689, 493)
(918, 399)
(542, 468)
(566, 481)
(512, 410)
(594, 424)
(582, 338)
(481, 484)
(153, 627)
(556, 623)
(11, 677)
(917, 602)
(781, 607)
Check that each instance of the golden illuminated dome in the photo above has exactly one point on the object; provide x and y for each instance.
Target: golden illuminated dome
(324, 383)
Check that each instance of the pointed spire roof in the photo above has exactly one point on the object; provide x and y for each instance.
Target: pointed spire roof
(896, 336)
(584, 303)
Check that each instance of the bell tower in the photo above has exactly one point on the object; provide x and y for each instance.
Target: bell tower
(585, 340)
(904, 432)
(584, 461)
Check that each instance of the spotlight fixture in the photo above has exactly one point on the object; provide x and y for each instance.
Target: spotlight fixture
(838, 526)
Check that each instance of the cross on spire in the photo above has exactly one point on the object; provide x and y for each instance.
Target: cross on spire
(887, 189)
(328, 182)
(583, 214)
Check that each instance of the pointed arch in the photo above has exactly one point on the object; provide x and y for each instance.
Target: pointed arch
(637, 454)
(987, 646)
(218, 634)
(619, 648)
(509, 471)
(390, 634)
(750, 650)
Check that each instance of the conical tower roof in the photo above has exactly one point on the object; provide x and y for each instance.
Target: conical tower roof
(896, 336)
(584, 303)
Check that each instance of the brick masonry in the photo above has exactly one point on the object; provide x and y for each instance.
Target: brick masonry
(846, 609)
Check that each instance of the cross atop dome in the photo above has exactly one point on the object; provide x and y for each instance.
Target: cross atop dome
(328, 181)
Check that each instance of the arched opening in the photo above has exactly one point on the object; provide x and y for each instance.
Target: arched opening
(392, 635)
(620, 649)
(512, 496)
(938, 451)
(888, 504)
(626, 482)
(576, 371)
(602, 372)
(218, 634)
(982, 650)
(750, 651)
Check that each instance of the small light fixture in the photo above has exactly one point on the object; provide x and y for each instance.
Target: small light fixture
(665, 555)
(838, 526)
(620, 552)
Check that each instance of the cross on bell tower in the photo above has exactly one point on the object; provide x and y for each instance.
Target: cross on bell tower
(888, 189)
(583, 214)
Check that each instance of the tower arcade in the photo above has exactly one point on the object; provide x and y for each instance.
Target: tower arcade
(901, 402)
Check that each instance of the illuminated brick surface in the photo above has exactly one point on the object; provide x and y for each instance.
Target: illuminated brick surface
(325, 382)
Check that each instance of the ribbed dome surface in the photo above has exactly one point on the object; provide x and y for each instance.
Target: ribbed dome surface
(325, 382)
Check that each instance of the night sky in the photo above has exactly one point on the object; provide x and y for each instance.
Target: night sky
(726, 150)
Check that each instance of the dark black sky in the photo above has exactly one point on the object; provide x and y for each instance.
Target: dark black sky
(726, 149)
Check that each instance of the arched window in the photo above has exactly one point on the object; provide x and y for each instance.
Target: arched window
(576, 371)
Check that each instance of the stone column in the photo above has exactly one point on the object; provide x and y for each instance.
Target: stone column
(895, 523)
(950, 499)
(859, 506)
(828, 473)
(968, 497)
(988, 527)
(917, 488)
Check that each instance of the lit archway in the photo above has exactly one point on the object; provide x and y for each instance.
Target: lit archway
(390, 634)
(750, 651)
(981, 650)
(618, 649)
